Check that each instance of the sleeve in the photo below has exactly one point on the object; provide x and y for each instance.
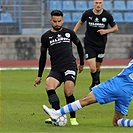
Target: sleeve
(42, 59)
(84, 16)
(77, 42)
(111, 21)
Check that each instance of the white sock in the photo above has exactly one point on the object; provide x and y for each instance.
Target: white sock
(71, 107)
(125, 122)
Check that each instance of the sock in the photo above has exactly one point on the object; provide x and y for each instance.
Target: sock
(125, 122)
(71, 99)
(99, 76)
(95, 78)
(53, 99)
(74, 106)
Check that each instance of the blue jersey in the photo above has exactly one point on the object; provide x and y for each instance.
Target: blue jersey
(118, 89)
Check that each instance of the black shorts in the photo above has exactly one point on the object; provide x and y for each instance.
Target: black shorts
(97, 53)
(63, 75)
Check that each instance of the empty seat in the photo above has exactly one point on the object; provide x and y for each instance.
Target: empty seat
(118, 17)
(130, 5)
(76, 17)
(107, 5)
(128, 17)
(54, 4)
(67, 18)
(68, 6)
(90, 4)
(6, 18)
(81, 5)
(119, 6)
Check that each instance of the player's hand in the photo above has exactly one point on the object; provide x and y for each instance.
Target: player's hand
(102, 31)
(80, 68)
(37, 81)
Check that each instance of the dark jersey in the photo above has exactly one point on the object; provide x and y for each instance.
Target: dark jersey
(94, 23)
(59, 45)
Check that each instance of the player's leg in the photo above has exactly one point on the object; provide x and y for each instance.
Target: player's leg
(69, 83)
(98, 66)
(125, 122)
(71, 107)
(99, 60)
(121, 109)
(68, 90)
(117, 116)
(51, 84)
(93, 71)
(90, 55)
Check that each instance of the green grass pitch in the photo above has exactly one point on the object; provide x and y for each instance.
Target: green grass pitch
(21, 105)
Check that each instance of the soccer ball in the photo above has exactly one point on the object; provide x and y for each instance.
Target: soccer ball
(61, 121)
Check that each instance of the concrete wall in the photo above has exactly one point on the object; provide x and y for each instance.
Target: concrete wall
(20, 47)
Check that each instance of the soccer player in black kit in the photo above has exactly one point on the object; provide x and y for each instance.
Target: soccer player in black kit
(97, 21)
(58, 41)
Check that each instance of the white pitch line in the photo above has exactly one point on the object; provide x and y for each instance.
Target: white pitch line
(48, 68)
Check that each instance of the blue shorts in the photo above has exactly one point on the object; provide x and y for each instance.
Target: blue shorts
(108, 91)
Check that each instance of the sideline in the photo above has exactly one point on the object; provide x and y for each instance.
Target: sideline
(48, 68)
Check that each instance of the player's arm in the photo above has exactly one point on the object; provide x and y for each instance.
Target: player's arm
(110, 30)
(77, 26)
(42, 62)
(81, 54)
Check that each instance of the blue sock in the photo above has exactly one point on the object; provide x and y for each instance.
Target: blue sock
(125, 122)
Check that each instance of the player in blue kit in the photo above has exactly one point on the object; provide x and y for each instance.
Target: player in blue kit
(118, 89)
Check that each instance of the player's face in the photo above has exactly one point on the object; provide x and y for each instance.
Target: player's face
(98, 4)
(57, 22)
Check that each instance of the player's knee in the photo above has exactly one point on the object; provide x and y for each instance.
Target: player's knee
(93, 69)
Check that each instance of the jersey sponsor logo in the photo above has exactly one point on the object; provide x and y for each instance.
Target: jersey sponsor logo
(70, 72)
(93, 24)
(60, 39)
(131, 76)
(100, 55)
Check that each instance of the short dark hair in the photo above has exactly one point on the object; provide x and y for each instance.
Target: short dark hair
(56, 13)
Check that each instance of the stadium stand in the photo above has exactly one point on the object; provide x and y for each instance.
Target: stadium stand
(130, 5)
(55, 5)
(67, 18)
(32, 11)
(68, 6)
(128, 17)
(90, 4)
(119, 5)
(107, 5)
(6, 18)
(81, 5)
(118, 17)
(76, 16)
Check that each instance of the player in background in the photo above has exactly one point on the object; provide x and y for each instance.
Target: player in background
(118, 89)
(58, 41)
(97, 21)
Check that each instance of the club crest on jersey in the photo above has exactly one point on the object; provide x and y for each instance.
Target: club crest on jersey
(104, 19)
(67, 35)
